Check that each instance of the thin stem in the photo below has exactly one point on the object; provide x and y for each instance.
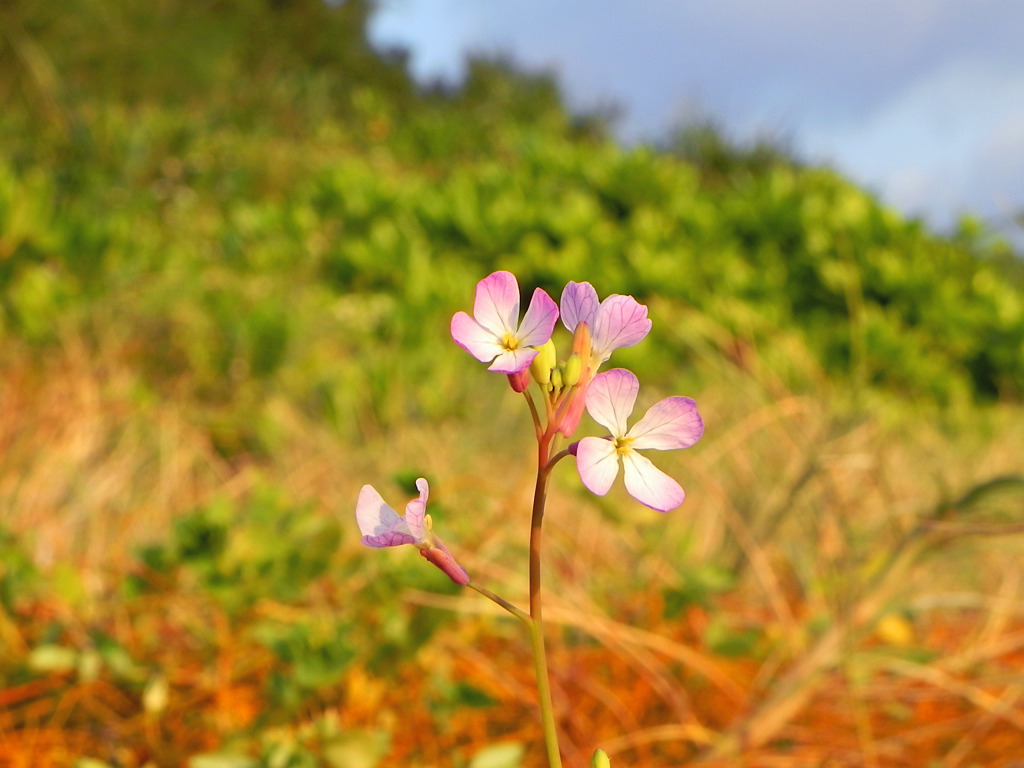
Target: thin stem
(537, 624)
(540, 493)
(523, 616)
(533, 619)
(556, 458)
(533, 412)
(547, 711)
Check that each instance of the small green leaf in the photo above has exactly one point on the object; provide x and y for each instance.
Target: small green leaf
(730, 641)
(507, 754)
(470, 696)
(357, 749)
(221, 760)
(52, 658)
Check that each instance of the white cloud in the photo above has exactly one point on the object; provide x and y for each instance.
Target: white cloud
(936, 147)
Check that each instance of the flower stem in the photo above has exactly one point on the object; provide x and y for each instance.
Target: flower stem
(547, 711)
(523, 616)
(533, 619)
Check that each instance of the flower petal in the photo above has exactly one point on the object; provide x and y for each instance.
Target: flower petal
(610, 399)
(380, 525)
(539, 322)
(649, 485)
(513, 360)
(474, 338)
(416, 510)
(496, 304)
(579, 304)
(668, 425)
(621, 321)
(598, 463)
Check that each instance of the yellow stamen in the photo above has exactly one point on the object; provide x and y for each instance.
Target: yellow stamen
(510, 342)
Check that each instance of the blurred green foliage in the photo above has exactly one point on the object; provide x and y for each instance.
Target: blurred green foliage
(264, 551)
(258, 247)
(19, 577)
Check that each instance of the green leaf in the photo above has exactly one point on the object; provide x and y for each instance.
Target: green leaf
(507, 754)
(357, 749)
(697, 587)
(221, 760)
(730, 641)
(52, 658)
(470, 696)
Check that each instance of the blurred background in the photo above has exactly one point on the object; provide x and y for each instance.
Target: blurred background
(919, 102)
(232, 236)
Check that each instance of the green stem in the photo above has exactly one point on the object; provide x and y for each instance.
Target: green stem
(534, 619)
(523, 616)
(540, 661)
(533, 412)
(547, 712)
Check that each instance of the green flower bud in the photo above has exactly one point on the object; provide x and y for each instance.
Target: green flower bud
(542, 364)
(600, 760)
(573, 369)
(556, 379)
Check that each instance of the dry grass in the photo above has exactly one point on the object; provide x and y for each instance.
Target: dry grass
(872, 641)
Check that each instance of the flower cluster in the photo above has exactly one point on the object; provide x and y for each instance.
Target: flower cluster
(524, 350)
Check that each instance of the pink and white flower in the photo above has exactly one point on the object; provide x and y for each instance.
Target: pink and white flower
(670, 424)
(618, 321)
(494, 334)
(382, 526)
(602, 327)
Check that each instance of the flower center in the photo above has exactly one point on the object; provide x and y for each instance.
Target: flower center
(622, 445)
(510, 342)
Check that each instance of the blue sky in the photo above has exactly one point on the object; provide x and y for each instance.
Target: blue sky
(921, 101)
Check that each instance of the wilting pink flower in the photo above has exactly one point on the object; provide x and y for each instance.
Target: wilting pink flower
(382, 527)
(618, 321)
(669, 424)
(494, 334)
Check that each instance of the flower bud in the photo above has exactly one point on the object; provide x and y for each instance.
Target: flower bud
(581, 345)
(542, 364)
(439, 555)
(571, 411)
(600, 760)
(556, 379)
(573, 368)
(519, 381)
